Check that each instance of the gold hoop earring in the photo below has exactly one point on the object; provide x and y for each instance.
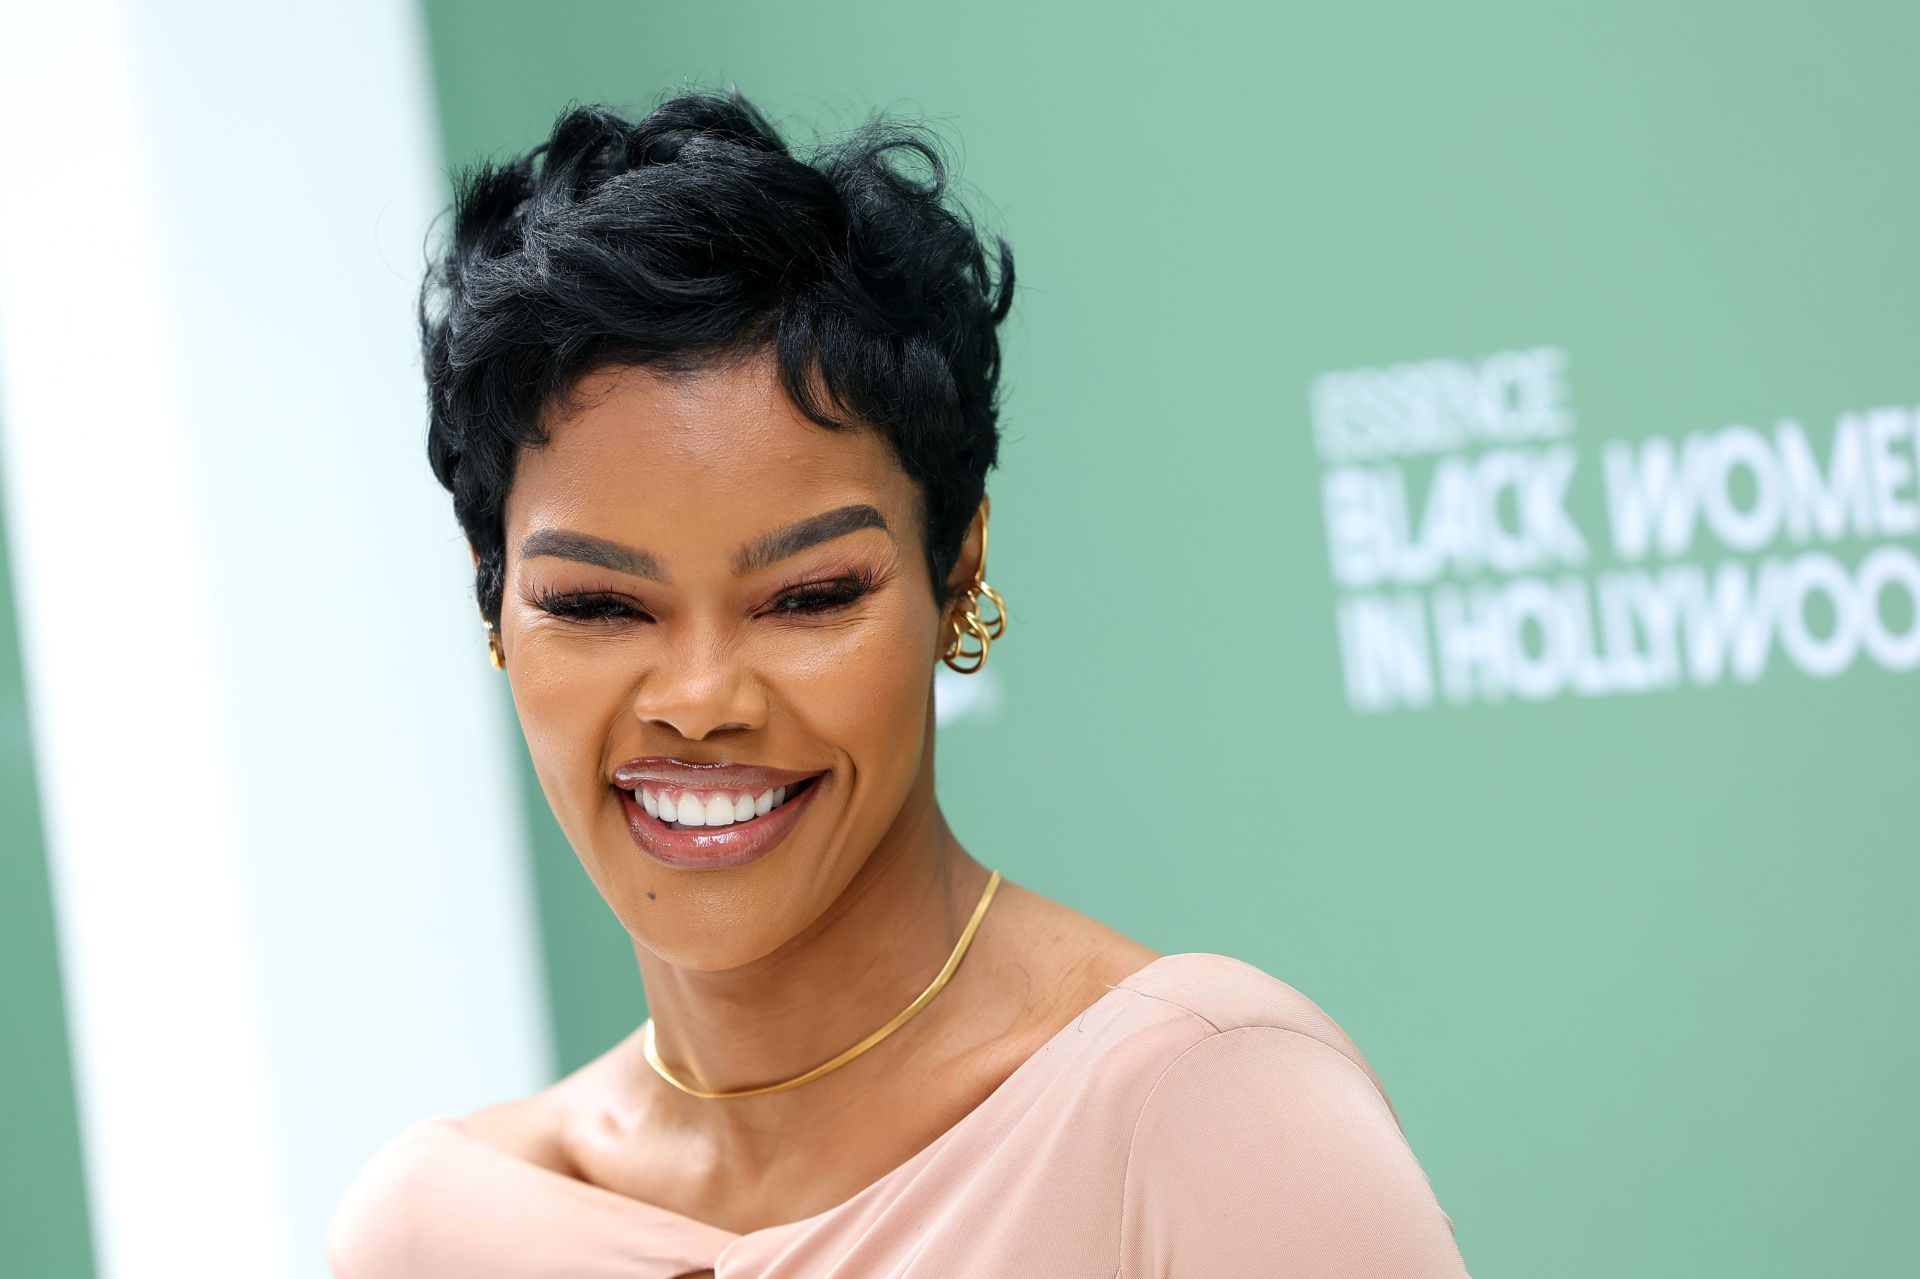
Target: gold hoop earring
(998, 625)
(969, 622)
(960, 658)
(493, 648)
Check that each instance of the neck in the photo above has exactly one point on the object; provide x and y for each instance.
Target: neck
(868, 956)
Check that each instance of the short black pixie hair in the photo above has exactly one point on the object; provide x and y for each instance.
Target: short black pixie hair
(693, 235)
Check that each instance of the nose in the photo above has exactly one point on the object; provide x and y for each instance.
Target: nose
(698, 688)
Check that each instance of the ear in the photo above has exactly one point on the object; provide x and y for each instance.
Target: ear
(474, 553)
(973, 552)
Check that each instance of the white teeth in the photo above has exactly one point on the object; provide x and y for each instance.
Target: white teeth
(721, 810)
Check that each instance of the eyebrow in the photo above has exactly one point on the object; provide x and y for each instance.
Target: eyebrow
(768, 548)
(794, 538)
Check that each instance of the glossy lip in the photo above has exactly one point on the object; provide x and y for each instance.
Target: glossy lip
(694, 775)
(699, 849)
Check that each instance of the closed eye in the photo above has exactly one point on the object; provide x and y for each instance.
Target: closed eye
(585, 606)
(813, 599)
(823, 597)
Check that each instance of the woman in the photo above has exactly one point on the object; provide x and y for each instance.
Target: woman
(717, 424)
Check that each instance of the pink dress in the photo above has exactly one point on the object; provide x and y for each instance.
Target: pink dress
(1201, 1120)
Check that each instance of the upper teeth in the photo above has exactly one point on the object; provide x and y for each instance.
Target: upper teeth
(722, 809)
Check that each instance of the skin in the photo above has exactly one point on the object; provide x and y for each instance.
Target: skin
(757, 972)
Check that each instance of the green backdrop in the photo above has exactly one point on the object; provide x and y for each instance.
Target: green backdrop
(1637, 969)
(43, 1205)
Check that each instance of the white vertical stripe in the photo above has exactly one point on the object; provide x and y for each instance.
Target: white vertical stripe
(287, 855)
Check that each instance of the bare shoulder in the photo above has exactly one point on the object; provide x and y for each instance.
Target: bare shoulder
(1061, 949)
(1074, 958)
(536, 1127)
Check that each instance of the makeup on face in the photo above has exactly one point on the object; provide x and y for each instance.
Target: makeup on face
(754, 641)
(691, 815)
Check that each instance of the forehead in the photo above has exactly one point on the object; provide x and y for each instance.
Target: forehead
(713, 455)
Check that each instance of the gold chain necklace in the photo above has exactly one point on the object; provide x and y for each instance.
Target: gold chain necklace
(901, 1019)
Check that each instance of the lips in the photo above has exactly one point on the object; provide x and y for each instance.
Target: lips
(668, 771)
(649, 786)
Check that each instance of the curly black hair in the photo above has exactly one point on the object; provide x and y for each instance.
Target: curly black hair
(694, 234)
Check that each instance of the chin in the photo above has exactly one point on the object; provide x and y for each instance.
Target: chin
(710, 923)
(706, 953)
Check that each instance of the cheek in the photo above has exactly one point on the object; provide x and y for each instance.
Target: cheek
(566, 708)
(865, 696)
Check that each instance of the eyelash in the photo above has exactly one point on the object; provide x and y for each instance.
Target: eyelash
(817, 598)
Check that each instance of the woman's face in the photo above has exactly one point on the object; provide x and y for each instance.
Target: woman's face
(653, 612)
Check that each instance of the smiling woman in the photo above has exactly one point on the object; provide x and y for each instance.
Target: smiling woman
(717, 423)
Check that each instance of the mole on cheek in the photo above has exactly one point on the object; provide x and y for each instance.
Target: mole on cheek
(650, 894)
